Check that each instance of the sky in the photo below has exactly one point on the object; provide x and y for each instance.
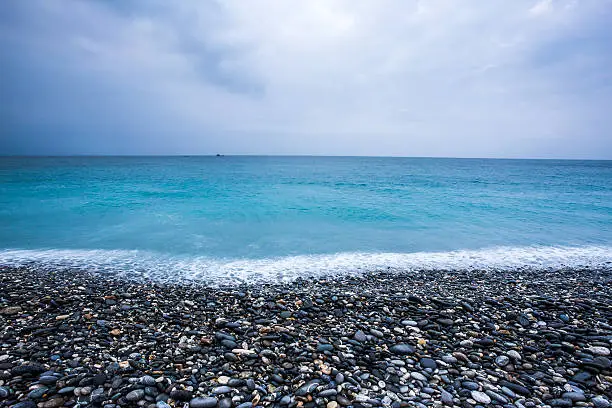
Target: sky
(450, 78)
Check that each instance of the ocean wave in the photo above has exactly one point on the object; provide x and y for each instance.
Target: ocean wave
(217, 271)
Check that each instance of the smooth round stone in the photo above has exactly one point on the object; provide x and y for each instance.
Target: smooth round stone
(66, 390)
(574, 396)
(38, 393)
(495, 396)
(360, 336)
(485, 342)
(148, 381)
(601, 402)
(481, 397)
(4, 392)
(513, 354)
(523, 320)
(582, 377)
(418, 376)
(230, 356)
(162, 404)
(223, 380)
(224, 389)
(446, 397)
(470, 385)
(402, 349)
(448, 359)
(135, 395)
(332, 404)
(47, 379)
(180, 395)
(324, 347)
(377, 333)
(502, 361)
(599, 351)
(428, 363)
(207, 402)
(328, 393)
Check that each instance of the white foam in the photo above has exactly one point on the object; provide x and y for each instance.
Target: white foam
(135, 264)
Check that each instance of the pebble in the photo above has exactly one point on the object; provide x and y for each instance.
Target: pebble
(502, 361)
(601, 402)
(513, 354)
(208, 402)
(428, 363)
(599, 351)
(481, 397)
(402, 349)
(135, 395)
(37, 393)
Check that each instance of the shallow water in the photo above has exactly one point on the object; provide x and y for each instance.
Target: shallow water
(255, 218)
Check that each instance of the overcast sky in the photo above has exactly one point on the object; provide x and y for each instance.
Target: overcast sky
(459, 78)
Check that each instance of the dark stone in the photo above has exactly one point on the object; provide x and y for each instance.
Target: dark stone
(181, 395)
(28, 369)
(428, 363)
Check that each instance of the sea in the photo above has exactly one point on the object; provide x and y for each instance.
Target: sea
(225, 220)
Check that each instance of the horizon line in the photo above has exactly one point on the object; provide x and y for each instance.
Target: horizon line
(4, 156)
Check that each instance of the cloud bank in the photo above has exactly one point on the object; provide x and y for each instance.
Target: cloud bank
(454, 78)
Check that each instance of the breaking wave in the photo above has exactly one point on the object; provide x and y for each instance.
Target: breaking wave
(218, 271)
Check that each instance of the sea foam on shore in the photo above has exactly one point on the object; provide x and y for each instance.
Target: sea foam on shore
(219, 271)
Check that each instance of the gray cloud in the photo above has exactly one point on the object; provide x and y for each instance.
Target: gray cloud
(436, 78)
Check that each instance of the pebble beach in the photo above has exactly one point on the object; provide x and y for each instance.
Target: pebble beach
(467, 338)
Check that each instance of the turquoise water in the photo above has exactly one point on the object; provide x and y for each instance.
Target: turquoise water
(250, 218)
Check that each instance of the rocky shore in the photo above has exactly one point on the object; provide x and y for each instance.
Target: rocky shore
(444, 338)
